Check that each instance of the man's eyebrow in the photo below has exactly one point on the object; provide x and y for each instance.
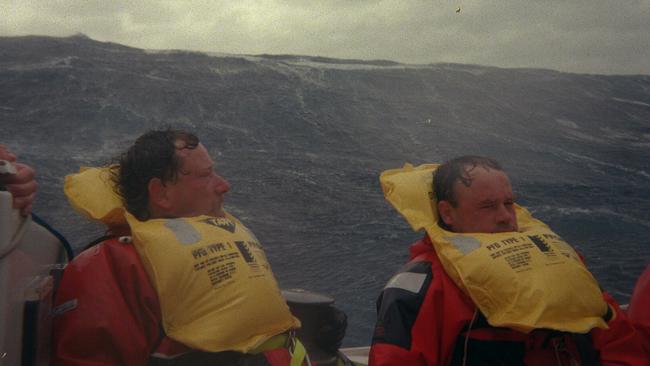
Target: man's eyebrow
(489, 201)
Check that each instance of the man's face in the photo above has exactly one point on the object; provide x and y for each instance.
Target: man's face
(486, 206)
(198, 189)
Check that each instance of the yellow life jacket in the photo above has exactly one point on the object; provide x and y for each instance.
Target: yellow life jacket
(90, 192)
(523, 280)
(215, 286)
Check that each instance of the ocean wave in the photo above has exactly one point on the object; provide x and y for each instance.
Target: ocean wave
(547, 210)
(605, 164)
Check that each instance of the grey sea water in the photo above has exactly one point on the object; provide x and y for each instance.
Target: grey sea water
(303, 141)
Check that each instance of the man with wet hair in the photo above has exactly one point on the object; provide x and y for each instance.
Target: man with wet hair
(109, 312)
(455, 179)
(154, 159)
(423, 317)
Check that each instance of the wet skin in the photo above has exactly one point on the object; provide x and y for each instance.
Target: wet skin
(198, 190)
(486, 206)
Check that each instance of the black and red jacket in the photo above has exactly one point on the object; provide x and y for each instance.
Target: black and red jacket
(424, 319)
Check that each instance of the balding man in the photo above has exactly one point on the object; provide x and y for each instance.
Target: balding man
(424, 318)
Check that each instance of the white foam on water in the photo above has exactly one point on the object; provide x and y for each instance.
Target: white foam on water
(567, 123)
(54, 62)
(583, 136)
(600, 211)
(606, 164)
(632, 102)
(620, 135)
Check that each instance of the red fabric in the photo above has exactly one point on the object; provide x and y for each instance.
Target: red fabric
(444, 313)
(639, 309)
(116, 320)
(621, 344)
(446, 310)
(278, 356)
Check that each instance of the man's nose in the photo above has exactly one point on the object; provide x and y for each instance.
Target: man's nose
(222, 186)
(504, 216)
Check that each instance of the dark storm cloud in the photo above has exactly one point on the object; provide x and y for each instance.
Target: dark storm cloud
(597, 36)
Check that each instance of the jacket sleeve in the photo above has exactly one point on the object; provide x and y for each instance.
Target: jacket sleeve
(398, 308)
(106, 312)
(621, 343)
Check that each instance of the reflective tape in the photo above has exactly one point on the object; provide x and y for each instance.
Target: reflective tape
(408, 281)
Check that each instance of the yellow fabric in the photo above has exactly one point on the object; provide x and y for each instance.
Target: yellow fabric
(277, 341)
(521, 280)
(409, 190)
(90, 192)
(215, 285)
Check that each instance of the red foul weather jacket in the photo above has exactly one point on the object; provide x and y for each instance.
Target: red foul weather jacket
(107, 313)
(423, 319)
(639, 310)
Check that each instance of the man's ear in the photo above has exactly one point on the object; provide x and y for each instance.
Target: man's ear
(157, 193)
(445, 210)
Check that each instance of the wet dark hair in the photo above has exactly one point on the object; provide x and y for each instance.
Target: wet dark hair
(153, 155)
(454, 170)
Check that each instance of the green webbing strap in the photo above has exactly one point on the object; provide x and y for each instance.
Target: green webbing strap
(299, 353)
(285, 340)
(277, 341)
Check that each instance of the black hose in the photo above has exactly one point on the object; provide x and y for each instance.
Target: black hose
(66, 245)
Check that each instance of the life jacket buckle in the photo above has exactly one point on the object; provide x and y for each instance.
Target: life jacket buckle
(562, 351)
(290, 342)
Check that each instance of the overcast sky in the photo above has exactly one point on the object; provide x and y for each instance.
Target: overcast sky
(593, 36)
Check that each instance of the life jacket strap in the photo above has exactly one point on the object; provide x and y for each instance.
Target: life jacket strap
(289, 341)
